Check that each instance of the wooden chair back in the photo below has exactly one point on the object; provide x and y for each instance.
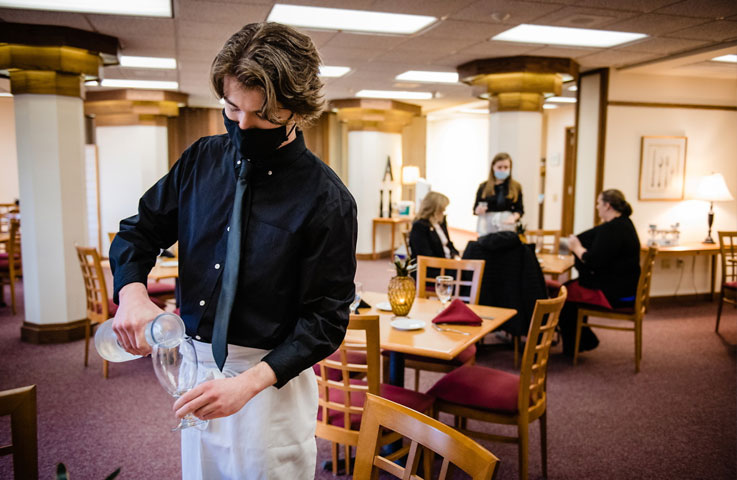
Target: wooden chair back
(15, 260)
(454, 268)
(728, 249)
(550, 239)
(20, 404)
(111, 236)
(405, 238)
(347, 389)
(426, 434)
(94, 284)
(532, 395)
(642, 297)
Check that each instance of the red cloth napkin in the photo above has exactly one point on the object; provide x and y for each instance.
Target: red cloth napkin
(457, 312)
(579, 294)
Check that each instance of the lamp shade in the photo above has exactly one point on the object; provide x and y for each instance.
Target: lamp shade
(410, 175)
(712, 188)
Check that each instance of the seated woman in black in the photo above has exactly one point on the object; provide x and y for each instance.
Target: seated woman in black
(499, 199)
(608, 264)
(429, 234)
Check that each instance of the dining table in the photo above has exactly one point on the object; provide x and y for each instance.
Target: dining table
(426, 339)
(555, 264)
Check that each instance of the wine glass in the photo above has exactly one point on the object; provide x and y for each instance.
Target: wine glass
(357, 299)
(176, 368)
(444, 289)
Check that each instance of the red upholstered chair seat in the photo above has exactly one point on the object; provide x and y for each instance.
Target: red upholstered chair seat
(732, 285)
(160, 288)
(479, 387)
(416, 401)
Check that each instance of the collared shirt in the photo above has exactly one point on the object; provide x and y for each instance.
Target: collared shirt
(298, 250)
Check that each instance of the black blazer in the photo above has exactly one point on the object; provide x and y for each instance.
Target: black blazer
(424, 240)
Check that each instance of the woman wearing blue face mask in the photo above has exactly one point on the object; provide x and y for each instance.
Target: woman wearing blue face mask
(501, 196)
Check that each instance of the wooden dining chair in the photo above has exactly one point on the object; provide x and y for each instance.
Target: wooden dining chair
(549, 240)
(427, 436)
(11, 263)
(342, 398)
(99, 307)
(466, 286)
(495, 396)
(728, 250)
(20, 405)
(632, 316)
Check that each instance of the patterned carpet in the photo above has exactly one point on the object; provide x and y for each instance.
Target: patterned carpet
(677, 418)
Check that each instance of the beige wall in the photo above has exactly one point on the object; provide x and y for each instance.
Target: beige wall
(9, 155)
(712, 147)
(557, 120)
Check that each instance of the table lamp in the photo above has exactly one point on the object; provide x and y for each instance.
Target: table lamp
(410, 175)
(712, 188)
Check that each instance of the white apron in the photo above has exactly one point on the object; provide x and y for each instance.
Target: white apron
(271, 437)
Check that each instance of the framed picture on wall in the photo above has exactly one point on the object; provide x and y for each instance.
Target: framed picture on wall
(662, 168)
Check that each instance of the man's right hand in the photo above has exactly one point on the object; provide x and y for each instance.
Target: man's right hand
(480, 209)
(135, 311)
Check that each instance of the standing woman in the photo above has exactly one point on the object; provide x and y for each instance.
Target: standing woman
(501, 196)
(608, 264)
(429, 234)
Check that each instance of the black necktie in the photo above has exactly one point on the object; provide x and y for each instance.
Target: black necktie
(229, 284)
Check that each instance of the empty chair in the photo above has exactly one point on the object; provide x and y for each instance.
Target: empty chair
(20, 404)
(426, 434)
(548, 241)
(11, 262)
(632, 316)
(728, 293)
(494, 396)
(342, 396)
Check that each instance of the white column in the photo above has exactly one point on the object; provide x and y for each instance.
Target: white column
(127, 170)
(367, 153)
(50, 143)
(520, 135)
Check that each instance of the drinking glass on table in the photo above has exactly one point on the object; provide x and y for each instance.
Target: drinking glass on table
(444, 289)
(357, 299)
(176, 368)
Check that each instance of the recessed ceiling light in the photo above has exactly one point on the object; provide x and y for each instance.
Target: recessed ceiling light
(573, 88)
(6, 94)
(328, 71)
(726, 58)
(394, 94)
(579, 37)
(348, 20)
(146, 8)
(549, 106)
(151, 84)
(148, 62)
(561, 99)
(428, 77)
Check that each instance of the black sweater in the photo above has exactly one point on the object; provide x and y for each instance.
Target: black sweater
(499, 202)
(612, 259)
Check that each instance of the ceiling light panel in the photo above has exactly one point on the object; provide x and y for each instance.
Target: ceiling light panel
(146, 8)
(428, 77)
(148, 62)
(726, 58)
(579, 37)
(561, 99)
(348, 20)
(394, 94)
(333, 71)
(150, 84)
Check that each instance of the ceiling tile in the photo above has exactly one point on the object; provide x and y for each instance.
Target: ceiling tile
(663, 45)
(654, 24)
(578, 17)
(628, 5)
(36, 17)
(519, 12)
(358, 40)
(563, 52)
(346, 56)
(464, 30)
(613, 58)
(716, 31)
(125, 26)
(434, 8)
(213, 12)
(713, 9)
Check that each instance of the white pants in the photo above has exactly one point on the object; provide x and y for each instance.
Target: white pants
(271, 437)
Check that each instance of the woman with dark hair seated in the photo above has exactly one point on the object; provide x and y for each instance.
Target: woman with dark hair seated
(429, 234)
(608, 264)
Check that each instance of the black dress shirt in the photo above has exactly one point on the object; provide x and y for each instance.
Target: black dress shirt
(298, 251)
(499, 201)
(612, 260)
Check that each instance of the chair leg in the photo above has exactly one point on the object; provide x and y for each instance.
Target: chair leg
(334, 452)
(579, 325)
(417, 379)
(384, 369)
(515, 340)
(105, 366)
(719, 310)
(544, 443)
(87, 332)
(638, 343)
(347, 459)
(12, 295)
(524, 441)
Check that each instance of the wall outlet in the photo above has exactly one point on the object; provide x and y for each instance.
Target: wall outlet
(665, 263)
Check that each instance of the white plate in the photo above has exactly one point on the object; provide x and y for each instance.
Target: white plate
(384, 306)
(407, 324)
(169, 263)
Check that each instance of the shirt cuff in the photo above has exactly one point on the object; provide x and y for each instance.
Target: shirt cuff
(129, 273)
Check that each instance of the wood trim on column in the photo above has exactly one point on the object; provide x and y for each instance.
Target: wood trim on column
(620, 103)
(46, 83)
(52, 332)
(601, 145)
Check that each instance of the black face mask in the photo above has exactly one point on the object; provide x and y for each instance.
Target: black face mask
(256, 143)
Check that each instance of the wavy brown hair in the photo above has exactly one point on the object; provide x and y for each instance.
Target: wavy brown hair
(432, 203)
(279, 61)
(616, 199)
(514, 187)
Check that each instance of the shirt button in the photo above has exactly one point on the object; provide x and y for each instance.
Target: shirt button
(228, 228)
(197, 337)
(202, 303)
(238, 162)
(269, 172)
(217, 266)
